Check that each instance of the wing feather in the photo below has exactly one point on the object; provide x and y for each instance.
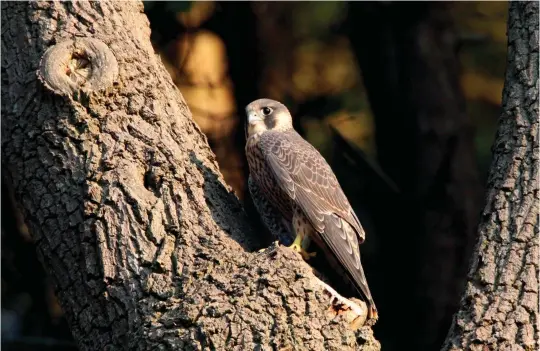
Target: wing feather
(296, 164)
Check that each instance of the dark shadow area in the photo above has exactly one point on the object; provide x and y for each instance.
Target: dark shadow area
(27, 297)
(408, 56)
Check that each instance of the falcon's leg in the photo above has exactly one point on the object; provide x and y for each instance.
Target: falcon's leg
(298, 246)
(303, 230)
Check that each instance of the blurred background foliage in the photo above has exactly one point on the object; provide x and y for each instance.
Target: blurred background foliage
(222, 55)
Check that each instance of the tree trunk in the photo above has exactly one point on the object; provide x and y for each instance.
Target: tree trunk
(147, 247)
(425, 143)
(499, 310)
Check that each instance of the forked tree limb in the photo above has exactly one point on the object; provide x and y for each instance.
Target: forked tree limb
(147, 247)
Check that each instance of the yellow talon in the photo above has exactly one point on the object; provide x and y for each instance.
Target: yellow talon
(297, 246)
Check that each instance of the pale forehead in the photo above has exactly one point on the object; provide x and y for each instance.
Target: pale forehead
(264, 103)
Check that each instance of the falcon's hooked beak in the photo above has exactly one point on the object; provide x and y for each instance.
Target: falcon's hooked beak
(255, 123)
(254, 118)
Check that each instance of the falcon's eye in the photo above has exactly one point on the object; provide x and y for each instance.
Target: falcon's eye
(266, 111)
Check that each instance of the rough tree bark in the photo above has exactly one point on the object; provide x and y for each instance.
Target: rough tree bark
(426, 145)
(499, 310)
(147, 247)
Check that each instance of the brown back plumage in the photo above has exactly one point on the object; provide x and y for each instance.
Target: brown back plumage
(302, 170)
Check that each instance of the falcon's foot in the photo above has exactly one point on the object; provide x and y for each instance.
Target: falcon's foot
(297, 246)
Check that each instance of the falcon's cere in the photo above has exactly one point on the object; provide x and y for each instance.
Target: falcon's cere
(297, 194)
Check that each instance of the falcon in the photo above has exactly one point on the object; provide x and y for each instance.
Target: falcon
(298, 196)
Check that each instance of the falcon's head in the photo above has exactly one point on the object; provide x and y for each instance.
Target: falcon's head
(266, 114)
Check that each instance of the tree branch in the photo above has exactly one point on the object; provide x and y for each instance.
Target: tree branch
(499, 309)
(147, 246)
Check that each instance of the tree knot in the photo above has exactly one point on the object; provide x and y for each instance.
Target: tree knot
(78, 64)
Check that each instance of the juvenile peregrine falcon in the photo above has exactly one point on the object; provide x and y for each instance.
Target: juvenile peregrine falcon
(297, 194)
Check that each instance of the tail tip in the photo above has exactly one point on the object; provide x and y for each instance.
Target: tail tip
(373, 314)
